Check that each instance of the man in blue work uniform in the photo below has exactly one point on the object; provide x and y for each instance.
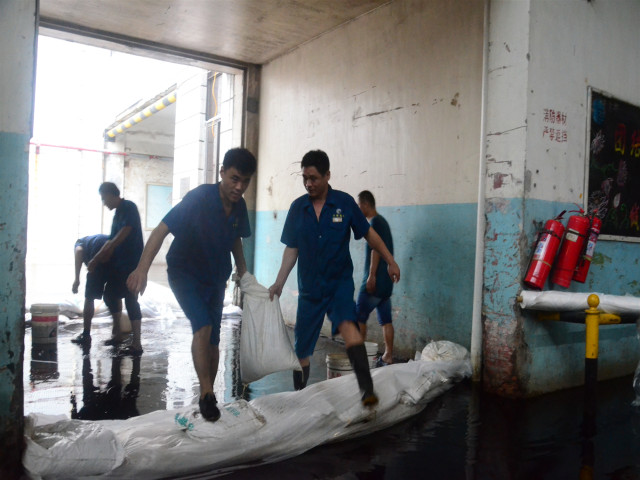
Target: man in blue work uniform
(317, 232)
(207, 224)
(376, 288)
(122, 251)
(84, 250)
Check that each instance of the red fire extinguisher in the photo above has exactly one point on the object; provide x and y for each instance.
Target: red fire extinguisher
(545, 252)
(572, 243)
(584, 262)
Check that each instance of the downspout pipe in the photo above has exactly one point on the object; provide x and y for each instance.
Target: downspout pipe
(478, 281)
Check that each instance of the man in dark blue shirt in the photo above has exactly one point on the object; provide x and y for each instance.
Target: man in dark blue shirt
(317, 232)
(122, 252)
(376, 288)
(84, 250)
(207, 224)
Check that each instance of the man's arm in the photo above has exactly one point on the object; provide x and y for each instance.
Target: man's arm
(373, 269)
(289, 259)
(376, 243)
(77, 255)
(137, 281)
(238, 257)
(107, 249)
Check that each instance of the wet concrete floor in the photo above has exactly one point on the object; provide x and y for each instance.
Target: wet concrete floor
(463, 434)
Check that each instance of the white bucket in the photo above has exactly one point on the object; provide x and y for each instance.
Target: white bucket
(372, 351)
(338, 365)
(44, 323)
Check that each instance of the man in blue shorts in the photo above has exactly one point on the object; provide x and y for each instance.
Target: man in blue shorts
(84, 250)
(317, 232)
(122, 252)
(207, 224)
(376, 288)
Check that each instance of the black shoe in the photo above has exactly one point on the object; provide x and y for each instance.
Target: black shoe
(82, 339)
(208, 408)
(131, 350)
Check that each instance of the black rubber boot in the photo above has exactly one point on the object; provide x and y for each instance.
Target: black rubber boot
(360, 363)
(300, 378)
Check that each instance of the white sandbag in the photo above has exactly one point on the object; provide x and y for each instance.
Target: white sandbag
(70, 448)
(236, 418)
(264, 343)
(444, 350)
(167, 444)
(570, 301)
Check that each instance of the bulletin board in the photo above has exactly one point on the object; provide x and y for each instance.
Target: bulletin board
(613, 173)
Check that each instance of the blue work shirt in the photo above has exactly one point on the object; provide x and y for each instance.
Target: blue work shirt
(91, 245)
(204, 235)
(323, 245)
(127, 255)
(384, 284)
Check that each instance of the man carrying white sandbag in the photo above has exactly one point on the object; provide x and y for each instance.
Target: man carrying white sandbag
(317, 231)
(207, 224)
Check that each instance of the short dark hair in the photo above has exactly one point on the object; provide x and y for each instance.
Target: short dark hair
(318, 159)
(109, 188)
(367, 197)
(241, 159)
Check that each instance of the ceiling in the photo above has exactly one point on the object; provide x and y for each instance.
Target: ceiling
(232, 32)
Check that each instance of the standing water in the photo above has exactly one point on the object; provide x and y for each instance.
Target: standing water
(463, 434)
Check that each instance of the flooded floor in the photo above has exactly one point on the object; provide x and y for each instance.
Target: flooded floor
(463, 434)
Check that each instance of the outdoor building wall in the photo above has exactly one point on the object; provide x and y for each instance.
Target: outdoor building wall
(189, 146)
(17, 57)
(571, 45)
(141, 171)
(190, 168)
(149, 161)
(394, 99)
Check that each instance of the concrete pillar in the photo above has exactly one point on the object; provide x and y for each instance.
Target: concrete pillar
(18, 36)
(504, 349)
(251, 128)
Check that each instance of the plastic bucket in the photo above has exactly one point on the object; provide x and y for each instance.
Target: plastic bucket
(372, 351)
(338, 365)
(44, 323)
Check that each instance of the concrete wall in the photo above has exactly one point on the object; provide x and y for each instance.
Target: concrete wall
(190, 168)
(149, 161)
(17, 54)
(544, 58)
(394, 99)
(189, 147)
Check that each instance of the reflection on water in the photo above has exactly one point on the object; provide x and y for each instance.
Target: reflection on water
(111, 401)
(44, 362)
(463, 434)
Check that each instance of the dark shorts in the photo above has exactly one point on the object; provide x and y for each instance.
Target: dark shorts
(94, 287)
(310, 316)
(202, 306)
(367, 302)
(116, 283)
(115, 289)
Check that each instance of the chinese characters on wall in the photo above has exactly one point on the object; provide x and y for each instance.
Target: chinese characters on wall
(555, 125)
